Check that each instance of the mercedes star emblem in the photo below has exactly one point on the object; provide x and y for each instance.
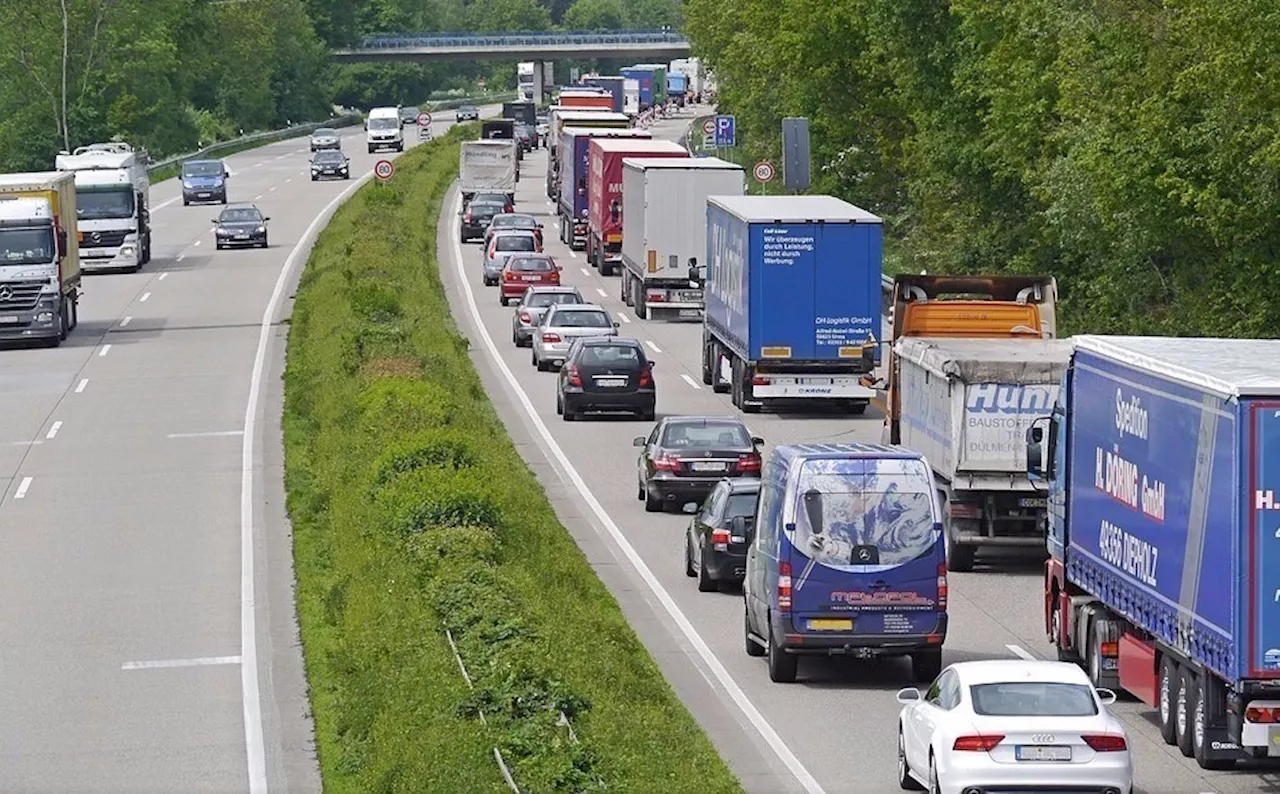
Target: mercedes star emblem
(5, 293)
(96, 237)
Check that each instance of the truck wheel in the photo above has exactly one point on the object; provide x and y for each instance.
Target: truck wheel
(624, 287)
(782, 665)
(1183, 708)
(926, 665)
(707, 379)
(638, 300)
(718, 384)
(959, 555)
(1167, 694)
(1200, 729)
(64, 321)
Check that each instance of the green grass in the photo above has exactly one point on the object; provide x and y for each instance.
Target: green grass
(413, 513)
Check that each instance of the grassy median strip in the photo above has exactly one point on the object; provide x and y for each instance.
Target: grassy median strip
(413, 514)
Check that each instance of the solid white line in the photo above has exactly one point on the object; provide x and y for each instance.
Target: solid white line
(718, 669)
(126, 321)
(166, 273)
(652, 346)
(690, 381)
(585, 272)
(603, 294)
(145, 297)
(80, 386)
(1021, 652)
(250, 695)
(53, 430)
(209, 434)
(104, 350)
(21, 493)
(204, 661)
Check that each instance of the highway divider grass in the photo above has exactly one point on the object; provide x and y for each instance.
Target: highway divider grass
(413, 516)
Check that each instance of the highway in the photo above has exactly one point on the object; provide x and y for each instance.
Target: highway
(834, 731)
(148, 640)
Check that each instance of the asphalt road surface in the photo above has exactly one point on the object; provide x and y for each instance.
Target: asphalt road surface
(148, 640)
(834, 730)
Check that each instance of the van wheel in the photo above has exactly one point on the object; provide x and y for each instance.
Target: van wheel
(926, 665)
(782, 665)
(1183, 707)
(753, 647)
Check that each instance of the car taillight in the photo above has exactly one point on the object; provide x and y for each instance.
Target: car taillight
(646, 379)
(666, 463)
(508, 275)
(550, 337)
(1106, 743)
(1262, 714)
(942, 585)
(574, 379)
(720, 539)
(784, 586)
(467, 217)
(977, 743)
(525, 317)
(749, 462)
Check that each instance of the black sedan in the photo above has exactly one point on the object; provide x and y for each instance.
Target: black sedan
(476, 217)
(685, 456)
(240, 224)
(330, 164)
(606, 373)
(715, 545)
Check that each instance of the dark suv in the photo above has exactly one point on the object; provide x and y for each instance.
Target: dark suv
(606, 374)
(476, 217)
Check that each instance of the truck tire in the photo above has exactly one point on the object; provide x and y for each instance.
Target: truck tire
(1166, 694)
(718, 385)
(64, 319)
(1182, 711)
(1200, 730)
(959, 555)
(624, 287)
(707, 379)
(782, 665)
(637, 300)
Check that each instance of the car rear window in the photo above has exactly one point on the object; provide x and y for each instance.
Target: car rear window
(742, 504)
(585, 318)
(540, 299)
(513, 221)
(710, 436)
(1032, 699)
(515, 242)
(610, 356)
(529, 264)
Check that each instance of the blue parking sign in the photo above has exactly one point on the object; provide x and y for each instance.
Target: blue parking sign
(726, 131)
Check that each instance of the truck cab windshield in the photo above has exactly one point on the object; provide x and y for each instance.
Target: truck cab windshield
(26, 246)
(847, 508)
(92, 205)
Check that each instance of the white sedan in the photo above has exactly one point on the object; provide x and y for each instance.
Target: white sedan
(1002, 724)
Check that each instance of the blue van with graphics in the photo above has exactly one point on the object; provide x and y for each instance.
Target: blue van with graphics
(846, 558)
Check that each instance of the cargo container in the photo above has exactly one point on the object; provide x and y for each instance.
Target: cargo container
(631, 97)
(1162, 463)
(604, 194)
(967, 404)
(613, 84)
(585, 98)
(520, 112)
(572, 193)
(792, 300)
(39, 256)
(488, 167)
(561, 118)
(677, 85)
(664, 231)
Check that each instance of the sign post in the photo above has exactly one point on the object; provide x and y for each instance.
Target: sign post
(383, 170)
(763, 172)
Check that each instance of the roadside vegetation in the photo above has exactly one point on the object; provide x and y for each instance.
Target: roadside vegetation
(416, 522)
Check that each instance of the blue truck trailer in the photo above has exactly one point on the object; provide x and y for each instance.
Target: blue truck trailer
(653, 84)
(613, 84)
(1162, 464)
(792, 291)
(677, 87)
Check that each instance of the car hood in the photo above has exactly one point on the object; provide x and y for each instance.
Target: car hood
(330, 164)
(240, 226)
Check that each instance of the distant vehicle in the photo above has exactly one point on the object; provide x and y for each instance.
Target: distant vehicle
(383, 130)
(533, 305)
(1012, 725)
(542, 128)
(204, 181)
(325, 138)
(715, 544)
(477, 216)
(468, 113)
(409, 116)
(508, 203)
(561, 325)
(685, 456)
(240, 225)
(503, 245)
(513, 220)
(330, 163)
(606, 374)
(524, 136)
(524, 271)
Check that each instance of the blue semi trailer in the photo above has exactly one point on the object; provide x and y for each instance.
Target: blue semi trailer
(1162, 461)
(792, 300)
(614, 84)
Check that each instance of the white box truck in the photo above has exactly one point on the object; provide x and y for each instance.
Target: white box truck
(113, 204)
(487, 166)
(39, 257)
(664, 231)
(966, 404)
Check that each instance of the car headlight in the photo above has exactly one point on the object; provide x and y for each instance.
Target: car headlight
(188, 185)
(222, 232)
(262, 230)
(127, 249)
(315, 169)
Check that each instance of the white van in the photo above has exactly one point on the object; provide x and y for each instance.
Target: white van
(382, 130)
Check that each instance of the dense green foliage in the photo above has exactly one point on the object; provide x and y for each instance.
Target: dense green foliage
(1129, 148)
(416, 522)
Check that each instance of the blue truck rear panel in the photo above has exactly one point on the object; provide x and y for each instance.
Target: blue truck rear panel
(614, 85)
(807, 282)
(645, 78)
(676, 83)
(1261, 509)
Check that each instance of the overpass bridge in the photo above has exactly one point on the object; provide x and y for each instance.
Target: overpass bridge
(644, 46)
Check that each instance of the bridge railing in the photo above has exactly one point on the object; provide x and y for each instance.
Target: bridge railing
(522, 39)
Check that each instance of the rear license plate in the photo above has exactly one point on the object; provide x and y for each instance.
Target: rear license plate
(532, 278)
(9, 319)
(203, 195)
(611, 383)
(328, 170)
(690, 312)
(702, 466)
(824, 624)
(1033, 501)
(814, 381)
(1042, 752)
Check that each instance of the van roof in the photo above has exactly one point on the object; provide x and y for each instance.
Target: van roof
(818, 451)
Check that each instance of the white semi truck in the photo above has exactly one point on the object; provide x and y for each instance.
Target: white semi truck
(39, 257)
(113, 195)
(488, 166)
(525, 82)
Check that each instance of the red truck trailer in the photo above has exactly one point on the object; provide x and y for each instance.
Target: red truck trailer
(604, 194)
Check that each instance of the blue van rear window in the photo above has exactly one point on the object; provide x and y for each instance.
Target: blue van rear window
(844, 504)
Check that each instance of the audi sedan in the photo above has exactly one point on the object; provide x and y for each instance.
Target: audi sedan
(535, 303)
(325, 138)
(330, 164)
(240, 225)
(685, 456)
(1005, 725)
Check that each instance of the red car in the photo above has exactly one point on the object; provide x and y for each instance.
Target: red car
(527, 270)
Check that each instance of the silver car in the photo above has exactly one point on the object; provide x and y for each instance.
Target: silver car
(501, 246)
(533, 305)
(325, 138)
(563, 324)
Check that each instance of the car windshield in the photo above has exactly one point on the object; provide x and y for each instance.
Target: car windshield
(515, 242)
(329, 157)
(94, 204)
(202, 169)
(741, 504)
(879, 511)
(468, 108)
(514, 222)
(581, 318)
(531, 264)
(624, 356)
(409, 113)
(1033, 699)
(325, 132)
(540, 300)
(384, 124)
(240, 216)
(30, 246)
(710, 435)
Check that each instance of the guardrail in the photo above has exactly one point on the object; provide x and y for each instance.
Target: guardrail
(521, 39)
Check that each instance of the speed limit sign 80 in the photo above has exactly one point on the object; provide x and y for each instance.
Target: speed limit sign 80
(763, 171)
(383, 169)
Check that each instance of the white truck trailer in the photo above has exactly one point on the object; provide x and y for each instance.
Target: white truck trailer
(966, 404)
(113, 195)
(487, 166)
(39, 257)
(664, 231)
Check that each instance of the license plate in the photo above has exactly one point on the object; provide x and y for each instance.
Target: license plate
(1032, 501)
(814, 381)
(531, 278)
(690, 312)
(611, 383)
(1042, 752)
(691, 296)
(8, 319)
(328, 170)
(203, 195)
(830, 625)
(242, 237)
(737, 538)
(702, 466)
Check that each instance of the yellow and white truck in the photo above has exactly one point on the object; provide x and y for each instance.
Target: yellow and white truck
(39, 256)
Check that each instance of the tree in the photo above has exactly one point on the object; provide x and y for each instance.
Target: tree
(594, 15)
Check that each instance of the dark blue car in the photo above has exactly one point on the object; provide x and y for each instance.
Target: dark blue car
(204, 181)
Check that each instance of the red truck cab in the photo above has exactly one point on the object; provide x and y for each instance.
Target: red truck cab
(604, 193)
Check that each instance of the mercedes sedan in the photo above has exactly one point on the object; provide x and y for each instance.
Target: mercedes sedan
(240, 225)
(685, 456)
(606, 374)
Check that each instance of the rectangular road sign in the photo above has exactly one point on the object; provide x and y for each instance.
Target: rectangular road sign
(795, 153)
(726, 131)
(708, 141)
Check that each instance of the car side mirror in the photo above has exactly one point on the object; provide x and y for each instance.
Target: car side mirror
(226, 174)
(266, 217)
(1106, 696)
(215, 220)
(638, 441)
(617, 324)
(1035, 451)
(908, 695)
(757, 440)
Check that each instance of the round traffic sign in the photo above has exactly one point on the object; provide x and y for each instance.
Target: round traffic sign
(763, 171)
(424, 119)
(709, 126)
(383, 169)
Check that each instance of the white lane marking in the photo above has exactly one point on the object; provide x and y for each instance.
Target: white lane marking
(21, 493)
(80, 386)
(574, 255)
(145, 297)
(585, 272)
(164, 204)
(1021, 653)
(126, 321)
(203, 661)
(21, 444)
(165, 275)
(53, 430)
(708, 657)
(197, 242)
(255, 198)
(179, 259)
(249, 688)
(287, 181)
(652, 346)
(208, 434)
(104, 350)
(690, 381)
(603, 294)
(272, 188)
(257, 165)
(623, 317)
